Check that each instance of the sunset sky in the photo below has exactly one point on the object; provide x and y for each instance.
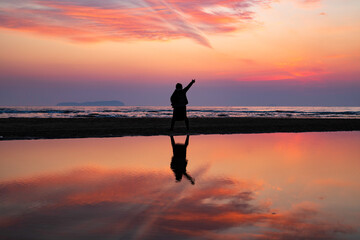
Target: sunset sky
(241, 52)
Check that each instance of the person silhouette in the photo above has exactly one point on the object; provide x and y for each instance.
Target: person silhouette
(178, 102)
(178, 161)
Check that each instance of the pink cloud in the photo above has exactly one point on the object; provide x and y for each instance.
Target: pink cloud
(88, 21)
(309, 3)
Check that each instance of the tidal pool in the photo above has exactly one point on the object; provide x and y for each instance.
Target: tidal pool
(244, 186)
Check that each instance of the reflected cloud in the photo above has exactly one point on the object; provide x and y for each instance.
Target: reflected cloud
(304, 221)
(91, 21)
(102, 204)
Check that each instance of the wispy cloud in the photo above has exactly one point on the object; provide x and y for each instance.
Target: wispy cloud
(91, 20)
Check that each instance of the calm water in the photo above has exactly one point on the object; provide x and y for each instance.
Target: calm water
(255, 186)
(151, 111)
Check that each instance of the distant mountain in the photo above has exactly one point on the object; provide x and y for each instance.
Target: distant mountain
(97, 103)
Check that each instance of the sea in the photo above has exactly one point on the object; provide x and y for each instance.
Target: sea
(166, 112)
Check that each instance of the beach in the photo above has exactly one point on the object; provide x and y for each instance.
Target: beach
(55, 128)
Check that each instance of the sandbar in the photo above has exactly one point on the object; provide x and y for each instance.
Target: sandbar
(54, 128)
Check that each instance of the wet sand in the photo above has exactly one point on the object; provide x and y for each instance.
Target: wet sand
(41, 128)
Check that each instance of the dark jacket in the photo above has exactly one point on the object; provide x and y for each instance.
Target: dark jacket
(178, 98)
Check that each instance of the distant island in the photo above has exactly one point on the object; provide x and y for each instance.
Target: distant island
(97, 103)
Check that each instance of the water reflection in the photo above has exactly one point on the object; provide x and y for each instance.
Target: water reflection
(103, 204)
(179, 161)
(123, 202)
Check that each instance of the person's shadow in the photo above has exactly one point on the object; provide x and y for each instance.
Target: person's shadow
(179, 161)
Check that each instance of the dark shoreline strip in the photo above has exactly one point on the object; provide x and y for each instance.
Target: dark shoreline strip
(53, 128)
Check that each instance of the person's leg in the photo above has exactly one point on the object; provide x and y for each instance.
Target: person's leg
(186, 118)
(172, 124)
(173, 118)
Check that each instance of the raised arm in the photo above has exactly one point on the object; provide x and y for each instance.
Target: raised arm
(188, 86)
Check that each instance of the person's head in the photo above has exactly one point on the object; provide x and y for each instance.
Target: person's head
(178, 86)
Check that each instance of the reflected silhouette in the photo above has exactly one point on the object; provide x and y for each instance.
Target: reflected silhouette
(179, 161)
